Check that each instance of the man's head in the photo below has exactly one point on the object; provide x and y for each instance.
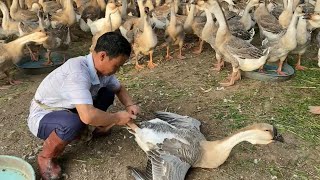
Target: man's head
(111, 51)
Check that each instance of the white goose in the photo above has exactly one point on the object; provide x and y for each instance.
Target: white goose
(174, 143)
(241, 54)
(279, 49)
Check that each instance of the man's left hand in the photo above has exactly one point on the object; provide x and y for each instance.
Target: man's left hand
(134, 109)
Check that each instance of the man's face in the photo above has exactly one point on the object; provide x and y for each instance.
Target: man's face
(107, 66)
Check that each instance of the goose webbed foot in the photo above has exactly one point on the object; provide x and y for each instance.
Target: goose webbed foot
(230, 83)
(261, 70)
(168, 57)
(139, 67)
(151, 65)
(14, 82)
(218, 66)
(300, 68)
(181, 57)
(281, 73)
(314, 109)
(188, 46)
(48, 63)
(34, 57)
(233, 78)
(6, 87)
(197, 51)
(180, 53)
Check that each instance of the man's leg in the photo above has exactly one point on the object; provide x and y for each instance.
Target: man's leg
(103, 101)
(58, 129)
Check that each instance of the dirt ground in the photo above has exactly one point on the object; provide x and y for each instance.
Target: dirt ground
(187, 87)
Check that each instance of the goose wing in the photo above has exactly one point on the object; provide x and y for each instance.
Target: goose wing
(178, 120)
(270, 24)
(242, 49)
(172, 159)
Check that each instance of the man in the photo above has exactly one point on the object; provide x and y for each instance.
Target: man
(76, 94)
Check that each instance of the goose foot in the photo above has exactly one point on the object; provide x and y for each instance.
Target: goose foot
(197, 51)
(314, 109)
(168, 57)
(218, 66)
(261, 70)
(188, 46)
(300, 68)
(34, 57)
(14, 82)
(151, 65)
(230, 83)
(234, 77)
(237, 76)
(181, 57)
(281, 73)
(139, 67)
(6, 87)
(48, 63)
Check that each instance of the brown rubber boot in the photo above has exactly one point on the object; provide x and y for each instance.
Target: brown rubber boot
(53, 146)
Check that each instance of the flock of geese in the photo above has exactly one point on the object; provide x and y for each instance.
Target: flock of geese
(284, 28)
(229, 30)
(173, 143)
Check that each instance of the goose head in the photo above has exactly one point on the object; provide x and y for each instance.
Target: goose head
(313, 16)
(262, 133)
(300, 11)
(111, 8)
(208, 4)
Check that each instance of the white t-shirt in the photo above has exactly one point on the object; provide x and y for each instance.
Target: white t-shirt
(74, 82)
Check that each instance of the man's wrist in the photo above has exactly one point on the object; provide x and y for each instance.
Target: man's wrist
(132, 104)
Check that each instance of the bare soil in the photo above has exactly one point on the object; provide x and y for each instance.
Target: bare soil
(188, 87)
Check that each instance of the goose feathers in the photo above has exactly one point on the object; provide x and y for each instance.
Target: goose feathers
(172, 144)
(243, 49)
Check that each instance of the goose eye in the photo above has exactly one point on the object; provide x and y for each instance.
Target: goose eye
(267, 130)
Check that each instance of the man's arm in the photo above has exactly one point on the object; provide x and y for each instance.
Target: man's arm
(96, 117)
(124, 96)
(126, 100)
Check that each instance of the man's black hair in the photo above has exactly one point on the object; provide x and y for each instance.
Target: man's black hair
(114, 44)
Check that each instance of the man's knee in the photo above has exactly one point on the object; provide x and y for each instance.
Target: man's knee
(67, 125)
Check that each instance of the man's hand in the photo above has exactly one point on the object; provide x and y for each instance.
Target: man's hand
(133, 109)
(124, 117)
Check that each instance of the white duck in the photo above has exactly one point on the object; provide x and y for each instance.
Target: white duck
(174, 143)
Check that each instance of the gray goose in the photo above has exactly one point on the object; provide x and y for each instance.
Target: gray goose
(174, 143)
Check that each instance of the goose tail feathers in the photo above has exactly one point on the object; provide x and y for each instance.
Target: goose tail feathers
(137, 174)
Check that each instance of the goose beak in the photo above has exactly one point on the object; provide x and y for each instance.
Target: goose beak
(276, 136)
(307, 16)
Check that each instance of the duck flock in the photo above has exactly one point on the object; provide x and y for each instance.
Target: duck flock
(228, 26)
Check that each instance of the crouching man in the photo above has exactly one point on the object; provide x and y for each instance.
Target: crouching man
(77, 94)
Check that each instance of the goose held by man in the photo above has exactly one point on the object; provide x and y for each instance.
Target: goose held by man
(174, 143)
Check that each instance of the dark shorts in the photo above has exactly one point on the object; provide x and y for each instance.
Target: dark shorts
(67, 124)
